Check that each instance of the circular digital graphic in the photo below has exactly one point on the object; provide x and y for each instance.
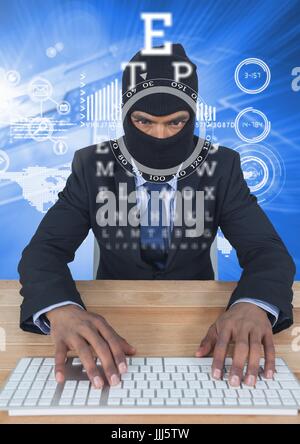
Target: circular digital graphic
(40, 129)
(13, 77)
(252, 76)
(63, 108)
(251, 125)
(4, 161)
(202, 147)
(60, 147)
(40, 89)
(263, 170)
(51, 52)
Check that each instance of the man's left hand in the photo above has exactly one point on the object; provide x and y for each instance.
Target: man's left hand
(249, 328)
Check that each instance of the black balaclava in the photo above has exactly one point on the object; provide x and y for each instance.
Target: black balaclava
(151, 151)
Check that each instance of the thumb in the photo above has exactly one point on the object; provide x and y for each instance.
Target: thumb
(207, 344)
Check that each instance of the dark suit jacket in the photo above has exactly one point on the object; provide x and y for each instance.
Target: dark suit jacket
(268, 268)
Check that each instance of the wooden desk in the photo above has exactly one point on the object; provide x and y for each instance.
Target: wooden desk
(158, 317)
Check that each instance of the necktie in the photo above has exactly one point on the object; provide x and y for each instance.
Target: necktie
(155, 225)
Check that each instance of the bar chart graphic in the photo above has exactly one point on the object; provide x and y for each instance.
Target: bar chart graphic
(104, 105)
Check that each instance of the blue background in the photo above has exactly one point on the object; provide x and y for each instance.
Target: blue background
(97, 36)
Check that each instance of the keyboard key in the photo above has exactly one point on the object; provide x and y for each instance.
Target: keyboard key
(202, 377)
(162, 393)
(95, 393)
(156, 384)
(32, 402)
(216, 393)
(189, 376)
(16, 403)
(164, 377)
(168, 384)
(172, 401)
(65, 401)
(113, 401)
(49, 361)
(230, 393)
(181, 384)
(175, 393)
(121, 393)
(22, 365)
(274, 401)
(157, 401)
(36, 361)
(170, 368)
(143, 401)
(273, 385)
(182, 368)
(203, 393)
(201, 401)
(290, 385)
(135, 393)
(154, 361)
(133, 368)
(70, 384)
(6, 394)
(93, 402)
(79, 401)
(20, 394)
(126, 376)
(128, 401)
(271, 393)
(141, 384)
(148, 393)
(157, 368)
(230, 401)
(284, 377)
(285, 394)
(129, 384)
(137, 361)
(186, 401)
(259, 401)
(45, 402)
(244, 402)
(151, 376)
(216, 401)
(189, 393)
(288, 402)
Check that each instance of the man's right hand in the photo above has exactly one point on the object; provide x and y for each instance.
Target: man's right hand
(78, 330)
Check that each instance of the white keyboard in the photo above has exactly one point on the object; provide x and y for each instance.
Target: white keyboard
(152, 385)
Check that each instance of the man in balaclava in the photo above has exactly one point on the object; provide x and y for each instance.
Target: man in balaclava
(153, 152)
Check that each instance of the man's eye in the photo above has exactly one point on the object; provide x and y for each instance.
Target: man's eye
(143, 121)
(177, 122)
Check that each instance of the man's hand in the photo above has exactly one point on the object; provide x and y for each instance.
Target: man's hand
(75, 329)
(249, 328)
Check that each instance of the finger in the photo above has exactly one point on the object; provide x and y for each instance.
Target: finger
(88, 362)
(220, 352)
(208, 343)
(254, 357)
(117, 344)
(60, 359)
(128, 348)
(103, 351)
(240, 355)
(270, 354)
